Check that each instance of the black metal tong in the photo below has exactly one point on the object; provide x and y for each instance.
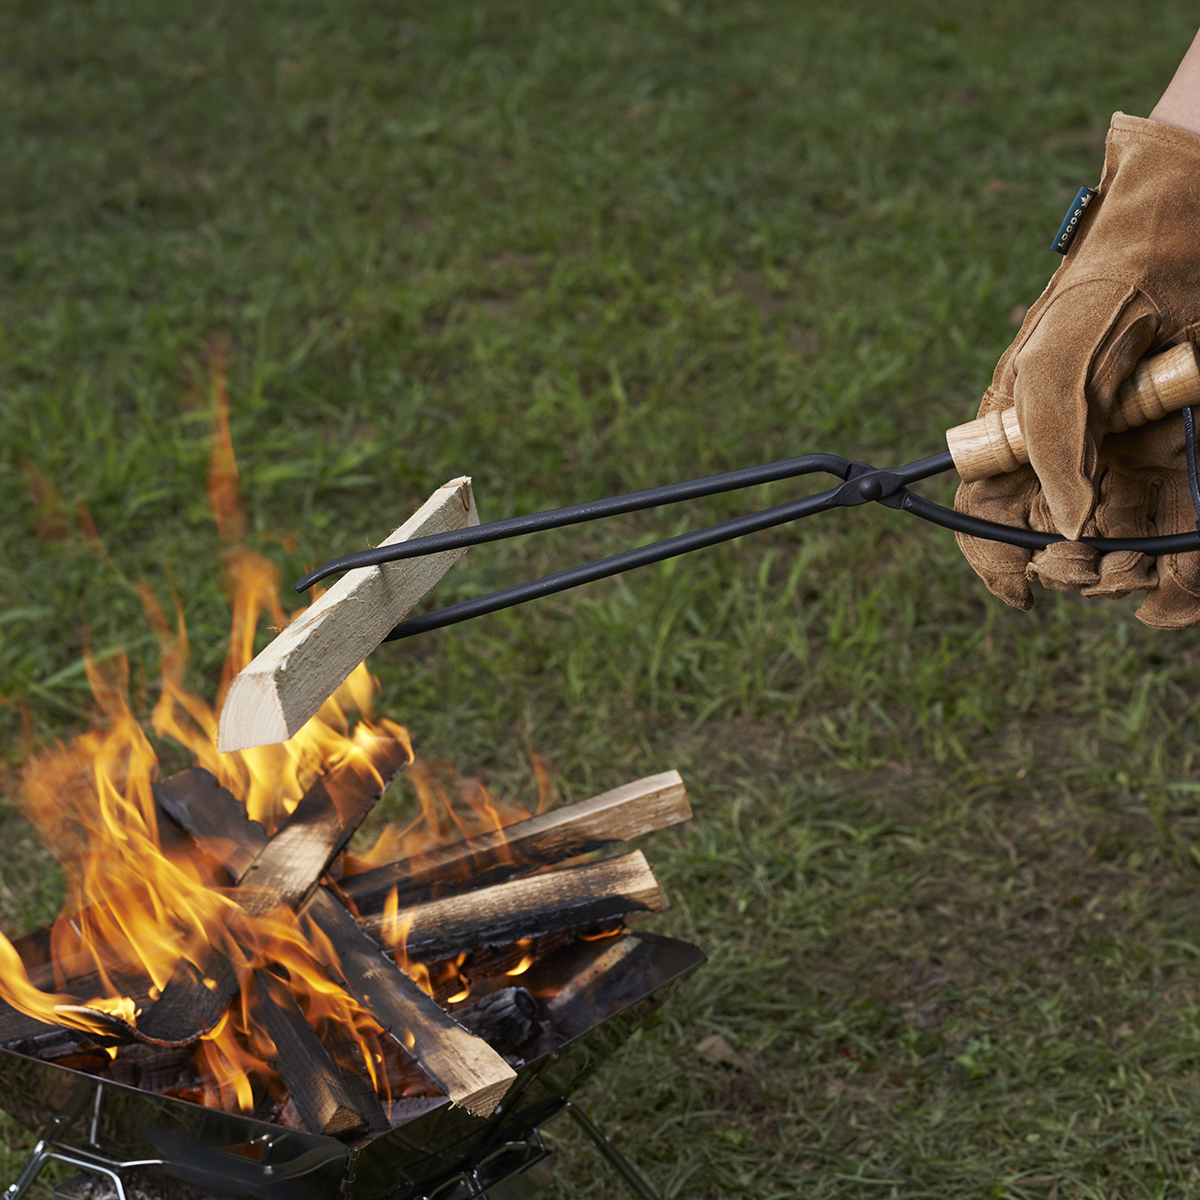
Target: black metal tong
(862, 484)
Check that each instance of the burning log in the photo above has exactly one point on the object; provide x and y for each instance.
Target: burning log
(285, 870)
(283, 873)
(466, 1068)
(207, 905)
(285, 685)
(39, 1039)
(504, 1019)
(470, 1072)
(213, 817)
(593, 893)
(311, 1076)
(615, 816)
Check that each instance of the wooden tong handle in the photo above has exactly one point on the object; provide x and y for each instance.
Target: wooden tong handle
(1159, 385)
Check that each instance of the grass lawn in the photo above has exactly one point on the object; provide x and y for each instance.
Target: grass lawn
(945, 861)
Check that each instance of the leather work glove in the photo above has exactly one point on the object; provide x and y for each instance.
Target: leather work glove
(1129, 284)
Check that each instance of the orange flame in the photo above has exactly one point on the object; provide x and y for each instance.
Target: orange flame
(448, 804)
(135, 909)
(526, 958)
(222, 464)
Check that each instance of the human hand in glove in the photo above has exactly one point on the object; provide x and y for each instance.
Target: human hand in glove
(1129, 285)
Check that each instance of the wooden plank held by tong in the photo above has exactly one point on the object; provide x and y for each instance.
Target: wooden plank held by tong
(273, 696)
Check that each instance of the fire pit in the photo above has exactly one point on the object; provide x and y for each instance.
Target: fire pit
(594, 992)
(531, 957)
(233, 1002)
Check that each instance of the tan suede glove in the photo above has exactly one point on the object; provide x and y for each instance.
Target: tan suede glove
(1129, 284)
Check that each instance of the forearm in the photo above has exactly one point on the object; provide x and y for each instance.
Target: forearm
(1180, 103)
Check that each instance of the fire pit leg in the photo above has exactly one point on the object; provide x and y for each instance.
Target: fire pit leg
(86, 1159)
(42, 1152)
(638, 1183)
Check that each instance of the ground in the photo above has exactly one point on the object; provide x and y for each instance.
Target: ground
(943, 859)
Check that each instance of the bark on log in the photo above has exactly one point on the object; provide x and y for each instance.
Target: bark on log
(285, 685)
(571, 897)
(615, 816)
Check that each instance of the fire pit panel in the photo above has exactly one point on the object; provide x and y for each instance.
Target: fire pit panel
(591, 995)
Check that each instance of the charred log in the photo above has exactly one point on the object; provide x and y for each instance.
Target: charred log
(310, 1075)
(284, 872)
(471, 1073)
(620, 815)
(571, 897)
(504, 1019)
(467, 1069)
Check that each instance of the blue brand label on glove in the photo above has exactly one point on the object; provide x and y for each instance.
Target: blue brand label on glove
(1070, 226)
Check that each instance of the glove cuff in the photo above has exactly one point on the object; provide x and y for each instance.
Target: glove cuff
(1124, 126)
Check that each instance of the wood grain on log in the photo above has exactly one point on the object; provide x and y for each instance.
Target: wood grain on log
(467, 1068)
(615, 816)
(311, 1077)
(285, 685)
(578, 896)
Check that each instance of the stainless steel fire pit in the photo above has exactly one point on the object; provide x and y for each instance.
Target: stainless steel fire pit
(591, 995)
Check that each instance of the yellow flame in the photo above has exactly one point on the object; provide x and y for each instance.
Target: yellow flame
(526, 959)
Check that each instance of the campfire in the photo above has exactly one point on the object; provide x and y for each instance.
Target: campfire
(222, 948)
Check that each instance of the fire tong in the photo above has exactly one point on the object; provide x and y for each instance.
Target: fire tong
(992, 444)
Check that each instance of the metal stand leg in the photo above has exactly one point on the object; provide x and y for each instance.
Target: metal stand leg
(637, 1182)
(87, 1159)
(42, 1153)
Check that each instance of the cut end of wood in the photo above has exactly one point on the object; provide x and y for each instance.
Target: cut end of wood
(252, 714)
(483, 1103)
(474, 1075)
(344, 1121)
(643, 886)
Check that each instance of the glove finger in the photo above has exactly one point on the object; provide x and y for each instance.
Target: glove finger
(1065, 381)
(1146, 493)
(1176, 602)
(1122, 572)
(1126, 497)
(1005, 499)
(1062, 566)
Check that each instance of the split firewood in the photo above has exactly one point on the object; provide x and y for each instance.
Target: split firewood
(285, 685)
(284, 872)
(615, 816)
(470, 1073)
(308, 1072)
(212, 817)
(217, 822)
(26, 1035)
(592, 893)
(468, 1069)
